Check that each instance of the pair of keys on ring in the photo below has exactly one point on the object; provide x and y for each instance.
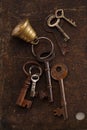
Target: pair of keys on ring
(54, 20)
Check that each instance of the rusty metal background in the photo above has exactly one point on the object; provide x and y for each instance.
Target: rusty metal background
(15, 52)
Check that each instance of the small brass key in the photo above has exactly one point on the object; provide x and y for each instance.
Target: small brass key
(59, 72)
(56, 24)
(60, 15)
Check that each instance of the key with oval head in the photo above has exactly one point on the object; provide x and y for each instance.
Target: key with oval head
(34, 79)
(45, 55)
(55, 23)
(48, 74)
(60, 14)
(59, 72)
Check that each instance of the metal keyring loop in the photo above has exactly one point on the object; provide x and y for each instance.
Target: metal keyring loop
(29, 63)
(37, 67)
(52, 48)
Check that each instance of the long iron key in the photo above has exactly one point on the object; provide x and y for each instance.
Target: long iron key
(21, 101)
(59, 72)
(60, 14)
(47, 69)
(55, 23)
(34, 79)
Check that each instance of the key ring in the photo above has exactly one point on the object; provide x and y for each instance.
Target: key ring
(51, 52)
(50, 19)
(35, 67)
(29, 63)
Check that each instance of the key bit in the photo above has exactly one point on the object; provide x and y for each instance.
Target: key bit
(27, 103)
(59, 112)
(43, 95)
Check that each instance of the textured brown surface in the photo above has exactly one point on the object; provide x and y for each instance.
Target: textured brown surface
(15, 52)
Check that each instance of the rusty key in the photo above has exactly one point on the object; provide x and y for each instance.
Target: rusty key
(21, 101)
(59, 72)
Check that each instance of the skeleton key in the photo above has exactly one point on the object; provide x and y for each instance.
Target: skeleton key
(34, 79)
(47, 69)
(60, 14)
(45, 56)
(59, 72)
(56, 24)
(21, 101)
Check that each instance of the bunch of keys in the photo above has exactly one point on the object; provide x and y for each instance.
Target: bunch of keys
(59, 14)
(45, 56)
(59, 72)
(33, 75)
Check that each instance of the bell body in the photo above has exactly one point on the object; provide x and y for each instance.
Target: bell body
(25, 31)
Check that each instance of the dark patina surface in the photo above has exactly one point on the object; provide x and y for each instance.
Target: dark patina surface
(15, 52)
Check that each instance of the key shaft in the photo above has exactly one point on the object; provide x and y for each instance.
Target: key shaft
(63, 100)
(47, 69)
(63, 33)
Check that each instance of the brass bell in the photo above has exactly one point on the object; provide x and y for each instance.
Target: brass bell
(25, 31)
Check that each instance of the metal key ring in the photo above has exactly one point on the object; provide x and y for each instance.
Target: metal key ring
(52, 48)
(29, 63)
(37, 67)
(49, 21)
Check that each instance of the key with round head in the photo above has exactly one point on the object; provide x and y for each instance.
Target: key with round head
(34, 79)
(59, 72)
(52, 21)
(59, 13)
(45, 56)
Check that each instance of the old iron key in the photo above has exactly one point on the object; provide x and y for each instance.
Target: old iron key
(59, 13)
(59, 72)
(56, 24)
(45, 56)
(47, 69)
(21, 101)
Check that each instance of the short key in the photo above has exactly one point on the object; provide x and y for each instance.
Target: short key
(56, 24)
(59, 72)
(60, 14)
(21, 101)
(34, 79)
